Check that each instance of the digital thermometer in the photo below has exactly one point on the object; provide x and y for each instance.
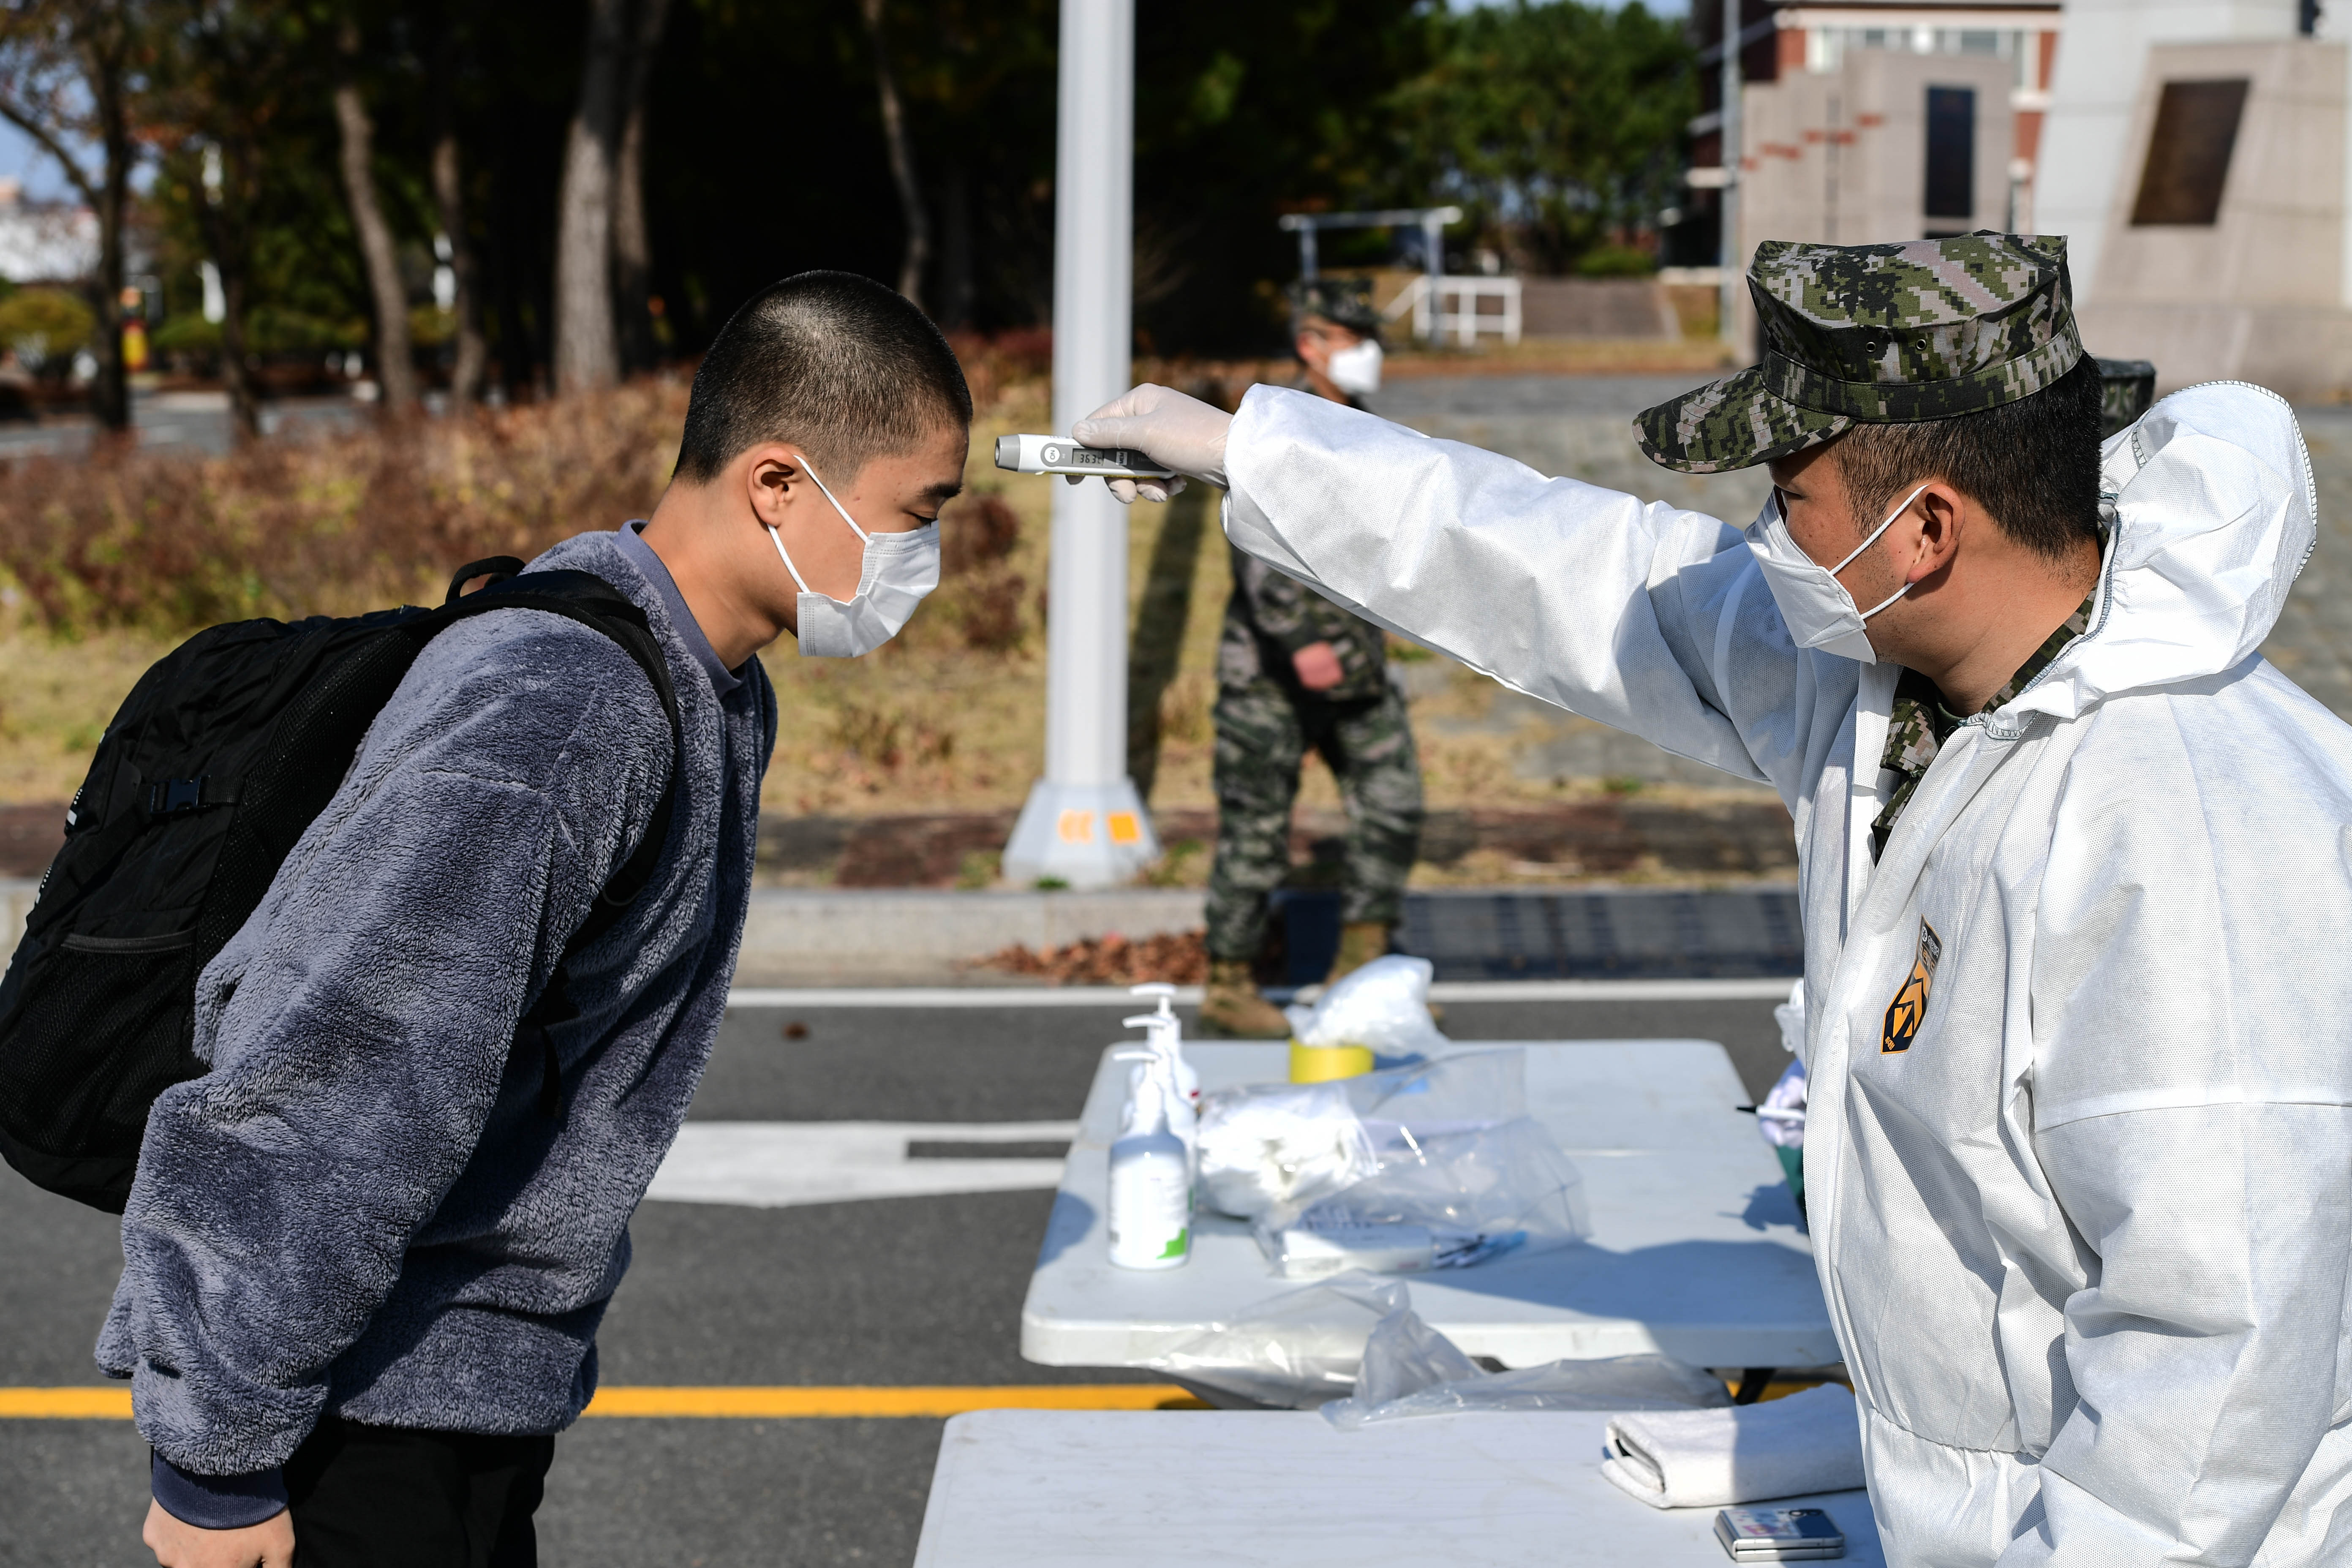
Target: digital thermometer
(1060, 455)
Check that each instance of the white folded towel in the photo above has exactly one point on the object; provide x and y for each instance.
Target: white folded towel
(1808, 1442)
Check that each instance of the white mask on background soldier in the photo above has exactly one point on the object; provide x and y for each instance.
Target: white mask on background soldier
(1357, 370)
(898, 570)
(1818, 610)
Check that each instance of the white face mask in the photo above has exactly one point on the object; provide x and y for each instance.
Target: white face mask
(898, 570)
(1820, 613)
(1357, 370)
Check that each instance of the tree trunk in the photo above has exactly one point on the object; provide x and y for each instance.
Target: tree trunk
(449, 196)
(902, 160)
(224, 216)
(243, 407)
(111, 393)
(631, 250)
(587, 355)
(633, 257)
(395, 366)
(955, 247)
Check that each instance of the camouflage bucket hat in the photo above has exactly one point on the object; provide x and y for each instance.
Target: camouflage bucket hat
(1343, 302)
(1878, 334)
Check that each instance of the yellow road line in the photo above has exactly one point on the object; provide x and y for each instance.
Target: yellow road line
(113, 1404)
(66, 1403)
(838, 1402)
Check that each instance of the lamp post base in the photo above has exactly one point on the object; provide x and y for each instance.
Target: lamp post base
(1081, 835)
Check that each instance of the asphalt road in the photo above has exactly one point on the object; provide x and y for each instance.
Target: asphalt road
(194, 423)
(903, 1291)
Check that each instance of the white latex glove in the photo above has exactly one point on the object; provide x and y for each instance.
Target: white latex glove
(1171, 430)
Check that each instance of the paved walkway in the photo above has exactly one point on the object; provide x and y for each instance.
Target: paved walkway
(186, 422)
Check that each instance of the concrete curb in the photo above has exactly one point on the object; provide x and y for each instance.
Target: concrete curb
(816, 936)
(825, 939)
(811, 936)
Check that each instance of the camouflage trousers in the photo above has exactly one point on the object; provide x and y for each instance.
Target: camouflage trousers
(1264, 733)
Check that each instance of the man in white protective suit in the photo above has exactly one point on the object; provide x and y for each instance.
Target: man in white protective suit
(2075, 861)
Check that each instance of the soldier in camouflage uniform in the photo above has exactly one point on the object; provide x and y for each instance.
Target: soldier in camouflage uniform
(1297, 673)
(2076, 1033)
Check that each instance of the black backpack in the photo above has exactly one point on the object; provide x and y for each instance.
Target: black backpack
(211, 770)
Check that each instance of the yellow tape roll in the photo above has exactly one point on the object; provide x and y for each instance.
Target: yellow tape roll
(1319, 1063)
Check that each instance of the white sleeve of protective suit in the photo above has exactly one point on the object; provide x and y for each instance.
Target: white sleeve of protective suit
(1640, 615)
(2193, 1116)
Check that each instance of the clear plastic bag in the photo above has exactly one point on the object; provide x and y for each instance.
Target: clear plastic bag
(1280, 1144)
(1383, 1006)
(1352, 1346)
(1454, 1155)
(1409, 1369)
(1296, 1351)
(1285, 1145)
(1475, 1192)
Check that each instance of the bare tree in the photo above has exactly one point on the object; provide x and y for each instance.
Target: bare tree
(218, 90)
(226, 214)
(395, 366)
(633, 260)
(449, 196)
(473, 355)
(66, 70)
(902, 159)
(587, 353)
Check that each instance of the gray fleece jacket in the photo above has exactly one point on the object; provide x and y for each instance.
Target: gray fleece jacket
(362, 1208)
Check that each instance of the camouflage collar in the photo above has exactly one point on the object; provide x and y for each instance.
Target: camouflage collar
(1919, 724)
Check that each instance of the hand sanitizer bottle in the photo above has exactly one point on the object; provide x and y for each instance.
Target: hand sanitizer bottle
(1150, 1198)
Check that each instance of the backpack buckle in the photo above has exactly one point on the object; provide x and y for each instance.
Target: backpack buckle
(167, 796)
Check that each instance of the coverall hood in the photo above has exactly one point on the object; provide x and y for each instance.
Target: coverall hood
(2213, 515)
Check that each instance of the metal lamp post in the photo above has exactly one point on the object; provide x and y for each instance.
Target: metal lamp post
(1083, 823)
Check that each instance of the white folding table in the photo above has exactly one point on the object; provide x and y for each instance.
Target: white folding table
(1066, 1489)
(1696, 1250)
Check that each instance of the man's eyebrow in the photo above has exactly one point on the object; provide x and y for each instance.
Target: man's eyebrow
(945, 491)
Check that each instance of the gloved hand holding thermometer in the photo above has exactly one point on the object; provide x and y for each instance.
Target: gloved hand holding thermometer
(1174, 435)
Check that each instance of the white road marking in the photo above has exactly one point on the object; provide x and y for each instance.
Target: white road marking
(1743, 990)
(779, 1164)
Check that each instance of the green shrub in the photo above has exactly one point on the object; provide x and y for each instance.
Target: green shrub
(187, 333)
(1615, 261)
(43, 324)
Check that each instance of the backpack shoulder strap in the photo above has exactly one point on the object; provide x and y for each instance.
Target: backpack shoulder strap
(593, 602)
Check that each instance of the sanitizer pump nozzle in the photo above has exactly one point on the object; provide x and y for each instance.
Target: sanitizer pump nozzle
(1166, 1033)
(1153, 1064)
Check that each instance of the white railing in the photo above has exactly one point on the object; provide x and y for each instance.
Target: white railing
(1448, 307)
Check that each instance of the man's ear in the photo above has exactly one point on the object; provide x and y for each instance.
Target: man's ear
(770, 471)
(1944, 514)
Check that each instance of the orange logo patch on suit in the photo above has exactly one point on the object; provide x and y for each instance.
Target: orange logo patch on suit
(1909, 1008)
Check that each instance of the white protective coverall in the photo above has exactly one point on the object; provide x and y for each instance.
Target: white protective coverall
(2087, 1242)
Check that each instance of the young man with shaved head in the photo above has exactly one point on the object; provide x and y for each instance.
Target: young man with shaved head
(366, 1253)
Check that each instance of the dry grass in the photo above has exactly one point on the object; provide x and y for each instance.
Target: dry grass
(164, 544)
(54, 701)
(1695, 356)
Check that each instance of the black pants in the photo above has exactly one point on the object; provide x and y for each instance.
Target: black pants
(375, 1496)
